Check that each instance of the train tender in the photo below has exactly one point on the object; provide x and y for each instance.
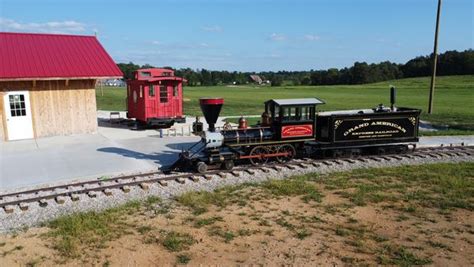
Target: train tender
(292, 128)
(155, 97)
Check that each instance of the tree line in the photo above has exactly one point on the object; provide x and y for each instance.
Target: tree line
(449, 63)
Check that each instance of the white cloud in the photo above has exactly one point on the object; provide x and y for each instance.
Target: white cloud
(214, 28)
(68, 26)
(278, 37)
(156, 42)
(312, 37)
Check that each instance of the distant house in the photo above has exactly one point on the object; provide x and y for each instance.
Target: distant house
(114, 83)
(47, 84)
(256, 79)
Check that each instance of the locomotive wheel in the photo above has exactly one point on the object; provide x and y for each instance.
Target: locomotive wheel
(201, 167)
(290, 149)
(228, 165)
(258, 150)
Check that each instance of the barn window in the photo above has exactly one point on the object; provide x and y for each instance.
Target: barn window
(175, 90)
(151, 90)
(163, 94)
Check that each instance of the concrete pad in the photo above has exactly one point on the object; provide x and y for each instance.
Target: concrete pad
(427, 141)
(91, 156)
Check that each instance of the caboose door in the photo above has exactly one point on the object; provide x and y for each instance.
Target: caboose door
(164, 101)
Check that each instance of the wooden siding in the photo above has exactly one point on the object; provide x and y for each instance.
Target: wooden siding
(59, 107)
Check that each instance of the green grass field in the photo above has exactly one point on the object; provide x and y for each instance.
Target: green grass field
(454, 98)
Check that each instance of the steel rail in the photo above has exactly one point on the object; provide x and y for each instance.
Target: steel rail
(115, 183)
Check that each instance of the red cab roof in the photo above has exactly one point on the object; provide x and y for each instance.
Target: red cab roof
(53, 56)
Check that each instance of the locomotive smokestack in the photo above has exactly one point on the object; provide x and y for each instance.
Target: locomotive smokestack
(211, 107)
(393, 97)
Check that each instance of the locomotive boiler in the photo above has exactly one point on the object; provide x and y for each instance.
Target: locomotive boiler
(292, 128)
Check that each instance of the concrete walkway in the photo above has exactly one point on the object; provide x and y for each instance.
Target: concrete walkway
(112, 151)
(105, 154)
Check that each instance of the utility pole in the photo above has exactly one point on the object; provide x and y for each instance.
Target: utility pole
(435, 60)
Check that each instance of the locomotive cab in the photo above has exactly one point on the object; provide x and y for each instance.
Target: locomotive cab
(293, 118)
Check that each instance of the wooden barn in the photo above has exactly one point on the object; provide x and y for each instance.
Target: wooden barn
(47, 84)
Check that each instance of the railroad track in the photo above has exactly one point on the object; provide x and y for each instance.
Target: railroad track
(22, 199)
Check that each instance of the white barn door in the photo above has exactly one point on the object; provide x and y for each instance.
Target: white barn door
(18, 115)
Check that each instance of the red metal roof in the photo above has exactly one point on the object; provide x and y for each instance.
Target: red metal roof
(46, 56)
(166, 78)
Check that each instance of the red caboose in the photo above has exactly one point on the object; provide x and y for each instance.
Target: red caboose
(155, 97)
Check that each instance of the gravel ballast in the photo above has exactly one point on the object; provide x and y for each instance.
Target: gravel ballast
(36, 215)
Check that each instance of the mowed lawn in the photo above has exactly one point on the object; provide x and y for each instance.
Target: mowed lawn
(454, 98)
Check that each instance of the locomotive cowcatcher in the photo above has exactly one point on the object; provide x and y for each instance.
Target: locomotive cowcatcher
(155, 97)
(292, 128)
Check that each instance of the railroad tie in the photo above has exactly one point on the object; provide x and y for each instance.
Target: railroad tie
(74, 197)
(8, 209)
(60, 199)
(222, 174)
(194, 178)
(43, 202)
(144, 186)
(163, 183)
(349, 160)
(327, 163)
(180, 180)
(23, 206)
(375, 159)
(125, 188)
(207, 176)
(92, 194)
(250, 171)
(291, 167)
(315, 164)
(361, 159)
(235, 173)
(303, 165)
(107, 192)
(277, 168)
(448, 154)
(265, 170)
(397, 157)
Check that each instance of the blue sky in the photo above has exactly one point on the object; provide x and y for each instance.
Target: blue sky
(253, 35)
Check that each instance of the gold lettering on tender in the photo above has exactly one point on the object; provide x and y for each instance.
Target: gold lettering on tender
(352, 131)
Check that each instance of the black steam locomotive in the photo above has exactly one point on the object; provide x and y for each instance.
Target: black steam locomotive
(292, 128)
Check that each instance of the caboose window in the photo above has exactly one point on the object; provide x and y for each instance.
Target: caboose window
(163, 94)
(151, 90)
(145, 74)
(175, 90)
